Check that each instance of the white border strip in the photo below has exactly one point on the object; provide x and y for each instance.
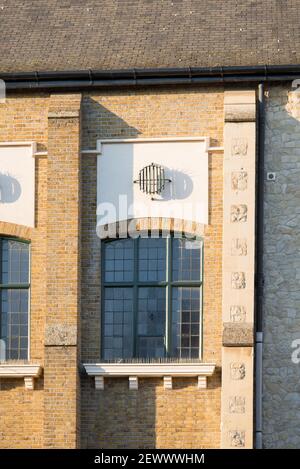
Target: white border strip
(20, 144)
(149, 369)
(100, 142)
(98, 150)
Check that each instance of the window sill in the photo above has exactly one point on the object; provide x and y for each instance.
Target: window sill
(26, 371)
(149, 370)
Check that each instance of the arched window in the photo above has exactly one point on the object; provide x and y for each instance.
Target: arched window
(151, 299)
(14, 299)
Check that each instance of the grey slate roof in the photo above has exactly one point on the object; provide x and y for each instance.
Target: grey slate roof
(120, 34)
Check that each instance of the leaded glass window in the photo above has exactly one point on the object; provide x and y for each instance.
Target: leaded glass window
(14, 299)
(152, 298)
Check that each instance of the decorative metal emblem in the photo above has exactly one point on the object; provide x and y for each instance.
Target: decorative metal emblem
(152, 179)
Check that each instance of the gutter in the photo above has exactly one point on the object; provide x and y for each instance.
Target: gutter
(89, 79)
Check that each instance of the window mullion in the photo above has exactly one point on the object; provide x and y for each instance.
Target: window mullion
(102, 309)
(135, 296)
(168, 338)
(0, 289)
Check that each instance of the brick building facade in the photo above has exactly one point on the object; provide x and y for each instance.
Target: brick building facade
(63, 393)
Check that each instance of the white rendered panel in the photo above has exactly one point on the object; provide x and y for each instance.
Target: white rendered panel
(184, 162)
(17, 184)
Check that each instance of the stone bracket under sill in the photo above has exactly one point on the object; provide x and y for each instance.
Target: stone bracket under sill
(134, 371)
(26, 371)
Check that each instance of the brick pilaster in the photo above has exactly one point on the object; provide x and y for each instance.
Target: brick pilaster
(62, 387)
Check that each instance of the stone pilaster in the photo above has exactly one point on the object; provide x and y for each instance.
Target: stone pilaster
(61, 382)
(238, 270)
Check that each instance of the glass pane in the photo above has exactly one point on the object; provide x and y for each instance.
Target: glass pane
(14, 323)
(186, 322)
(152, 259)
(186, 255)
(118, 260)
(118, 323)
(15, 262)
(151, 347)
(151, 322)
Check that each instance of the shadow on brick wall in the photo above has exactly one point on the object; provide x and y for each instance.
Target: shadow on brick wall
(118, 418)
(115, 417)
(98, 123)
(101, 123)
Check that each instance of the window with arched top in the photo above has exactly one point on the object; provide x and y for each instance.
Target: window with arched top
(151, 298)
(14, 298)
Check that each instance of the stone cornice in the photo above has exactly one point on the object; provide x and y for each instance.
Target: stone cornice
(149, 370)
(26, 371)
(239, 106)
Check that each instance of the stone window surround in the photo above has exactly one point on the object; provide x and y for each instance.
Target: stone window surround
(133, 371)
(26, 371)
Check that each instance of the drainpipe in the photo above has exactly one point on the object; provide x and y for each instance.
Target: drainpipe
(259, 269)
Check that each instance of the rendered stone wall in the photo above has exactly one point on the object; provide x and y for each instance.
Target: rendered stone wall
(281, 378)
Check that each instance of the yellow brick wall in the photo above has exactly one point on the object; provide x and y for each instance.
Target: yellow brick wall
(24, 118)
(115, 417)
(152, 417)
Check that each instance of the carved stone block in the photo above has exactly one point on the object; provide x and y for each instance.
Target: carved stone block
(238, 213)
(62, 113)
(237, 404)
(239, 147)
(237, 334)
(237, 313)
(239, 180)
(237, 371)
(239, 247)
(61, 334)
(238, 280)
(237, 438)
